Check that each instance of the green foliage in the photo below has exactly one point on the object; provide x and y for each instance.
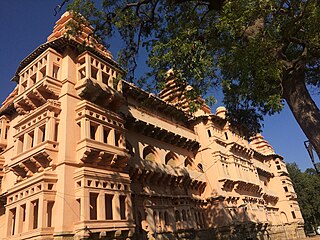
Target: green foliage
(307, 187)
(249, 48)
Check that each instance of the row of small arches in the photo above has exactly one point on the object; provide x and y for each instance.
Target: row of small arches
(171, 159)
(149, 153)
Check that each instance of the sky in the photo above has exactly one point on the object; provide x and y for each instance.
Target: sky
(24, 25)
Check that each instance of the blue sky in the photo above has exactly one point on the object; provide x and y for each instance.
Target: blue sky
(24, 25)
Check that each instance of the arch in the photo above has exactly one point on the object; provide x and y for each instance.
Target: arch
(177, 216)
(283, 217)
(188, 163)
(149, 153)
(200, 167)
(171, 159)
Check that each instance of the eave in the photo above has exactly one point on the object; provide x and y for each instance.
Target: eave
(161, 134)
(60, 45)
(152, 102)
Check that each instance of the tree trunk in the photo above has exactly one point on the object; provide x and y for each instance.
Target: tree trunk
(303, 107)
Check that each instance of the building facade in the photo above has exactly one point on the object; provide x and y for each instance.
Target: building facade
(87, 155)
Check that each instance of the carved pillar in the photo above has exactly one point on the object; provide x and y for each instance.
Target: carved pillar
(111, 137)
(116, 207)
(129, 210)
(42, 212)
(84, 208)
(26, 142)
(100, 133)
(49, 65)
(37, 137)
(50, 127)
(101, 214)
(29, 215)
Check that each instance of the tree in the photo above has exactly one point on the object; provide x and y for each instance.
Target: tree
(307, 187)
(260, 52)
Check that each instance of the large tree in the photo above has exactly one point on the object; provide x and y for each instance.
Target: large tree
(260, 52)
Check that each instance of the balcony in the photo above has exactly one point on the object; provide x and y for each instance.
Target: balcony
(291, 195)
(270, 196)
(100, 153)
(37, 95)
(35, 159)
(39, 81)
(155, 174)
(97, 81)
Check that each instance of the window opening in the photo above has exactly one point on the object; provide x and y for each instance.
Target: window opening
(209, 133)
(49, 213)
(108, 206)
(122, 206)
(35, 205)
(93, 206)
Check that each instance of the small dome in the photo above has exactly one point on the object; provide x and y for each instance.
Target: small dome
(221, 112)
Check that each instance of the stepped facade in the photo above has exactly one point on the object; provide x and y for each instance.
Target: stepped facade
(87, 155)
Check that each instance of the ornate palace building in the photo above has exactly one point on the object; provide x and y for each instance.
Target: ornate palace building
(87, 155)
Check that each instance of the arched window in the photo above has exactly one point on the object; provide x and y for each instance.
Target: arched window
(200, 167)
(188, 163)
(177, 216)
(149, 153)
(171, 159)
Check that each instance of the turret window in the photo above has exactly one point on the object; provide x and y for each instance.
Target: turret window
(209, 133)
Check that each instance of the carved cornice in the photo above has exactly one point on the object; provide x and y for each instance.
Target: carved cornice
(37, 95)
(148, 172)
(101, 95)
(161, 134)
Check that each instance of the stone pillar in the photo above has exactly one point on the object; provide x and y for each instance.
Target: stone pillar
(42, 213)
(88, 66)
(129, 210)
(84, 205)
(50, 127)
(101, 213)
(17, 222)
(99, 74)
(100, 133)
(9, 222)
(82, 128)
(86, 128)
(116, 207)
(37, 138)
(26, 142)
(49, 65)
(29, 215)
(111, 137)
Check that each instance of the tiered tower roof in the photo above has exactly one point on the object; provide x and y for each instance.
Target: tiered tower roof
(174, 93)
(64, 26)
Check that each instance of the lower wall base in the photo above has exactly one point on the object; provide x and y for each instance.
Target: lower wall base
(239, 232)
